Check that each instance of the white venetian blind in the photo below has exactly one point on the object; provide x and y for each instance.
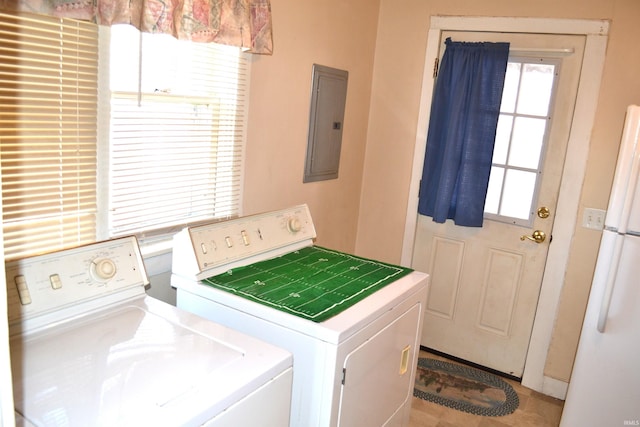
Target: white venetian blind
(177, 131)
(48, 105)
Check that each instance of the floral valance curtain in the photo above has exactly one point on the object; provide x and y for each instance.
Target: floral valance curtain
(242, 23)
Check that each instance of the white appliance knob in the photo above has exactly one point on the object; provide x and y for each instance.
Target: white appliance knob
(103, 269)
(294, 225)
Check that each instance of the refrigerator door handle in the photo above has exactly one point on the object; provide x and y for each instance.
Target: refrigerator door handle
(609, 286)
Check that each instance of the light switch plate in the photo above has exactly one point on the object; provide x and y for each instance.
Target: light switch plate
(593, 218)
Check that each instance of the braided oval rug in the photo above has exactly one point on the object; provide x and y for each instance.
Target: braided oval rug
(464, 388)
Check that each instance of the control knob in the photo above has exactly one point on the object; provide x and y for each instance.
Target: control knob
(102, 269)
(294, 225)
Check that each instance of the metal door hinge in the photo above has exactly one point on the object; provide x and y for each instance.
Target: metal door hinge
(436, 62)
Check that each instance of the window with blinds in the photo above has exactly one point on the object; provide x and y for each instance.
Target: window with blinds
(176, 131)
(48, 105)
(106, 132)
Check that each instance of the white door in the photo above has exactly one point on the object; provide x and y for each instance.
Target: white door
(485, 282)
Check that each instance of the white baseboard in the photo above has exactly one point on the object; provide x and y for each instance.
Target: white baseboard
(554, 388)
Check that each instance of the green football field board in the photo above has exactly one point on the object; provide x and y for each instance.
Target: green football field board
(314, 283)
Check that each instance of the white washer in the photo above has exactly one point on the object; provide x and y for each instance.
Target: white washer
(354, 369)
(89, 348)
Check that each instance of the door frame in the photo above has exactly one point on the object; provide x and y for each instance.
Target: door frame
(596, 33)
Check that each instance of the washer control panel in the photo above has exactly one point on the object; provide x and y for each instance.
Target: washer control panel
(45, 283)
(223, 243)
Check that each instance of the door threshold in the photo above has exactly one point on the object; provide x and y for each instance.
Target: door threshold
(471, 364)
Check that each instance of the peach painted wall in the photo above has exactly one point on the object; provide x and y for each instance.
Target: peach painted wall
(620, 87)
(335, 33)
(402, 32)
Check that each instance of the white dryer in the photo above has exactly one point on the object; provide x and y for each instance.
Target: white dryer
(89, 348)
(355, 352)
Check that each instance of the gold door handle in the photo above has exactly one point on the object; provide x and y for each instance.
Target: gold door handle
(537, 236)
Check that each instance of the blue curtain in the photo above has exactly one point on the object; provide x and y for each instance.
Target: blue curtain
(462, 131)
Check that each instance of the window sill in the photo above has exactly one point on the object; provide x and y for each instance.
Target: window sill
(156, 247)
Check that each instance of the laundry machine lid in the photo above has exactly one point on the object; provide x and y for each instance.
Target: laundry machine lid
(137, 364)
(334, 330)
(313, 283)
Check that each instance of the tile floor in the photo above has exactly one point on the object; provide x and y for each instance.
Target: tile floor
(535, 410)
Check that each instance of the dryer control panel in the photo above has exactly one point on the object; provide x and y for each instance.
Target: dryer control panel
(210, 249)
(47, 283)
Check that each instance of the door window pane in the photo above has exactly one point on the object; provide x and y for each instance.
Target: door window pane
(503, 136)
(511, 84)
(518, 193)
(492, 202)
(526, 145)
(535, 89)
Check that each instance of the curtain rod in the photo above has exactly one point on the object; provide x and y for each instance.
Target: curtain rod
(542, 51)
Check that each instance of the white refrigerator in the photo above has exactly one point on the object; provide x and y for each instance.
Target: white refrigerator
(604, 389)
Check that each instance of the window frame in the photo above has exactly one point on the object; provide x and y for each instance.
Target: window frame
(528, 222)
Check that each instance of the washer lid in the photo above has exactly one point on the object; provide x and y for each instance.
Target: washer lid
(124, 367)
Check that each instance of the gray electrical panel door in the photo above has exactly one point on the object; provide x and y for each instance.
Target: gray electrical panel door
(328, 99)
